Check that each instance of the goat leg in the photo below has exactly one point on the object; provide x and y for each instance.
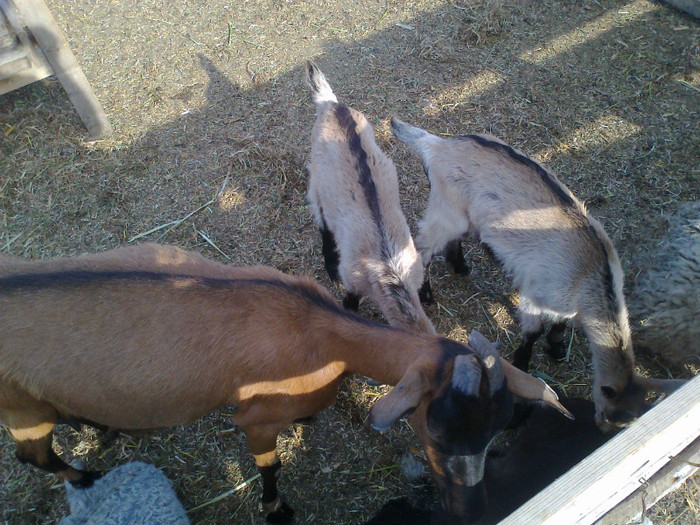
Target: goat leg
(555, 341)
(454, 256)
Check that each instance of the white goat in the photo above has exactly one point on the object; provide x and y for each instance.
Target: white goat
(665, 301)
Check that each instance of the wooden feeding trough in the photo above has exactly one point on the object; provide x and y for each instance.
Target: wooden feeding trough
(616, 483)
(32, 47)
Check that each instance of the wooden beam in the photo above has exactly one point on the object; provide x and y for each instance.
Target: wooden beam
(669, 478)
(53, 44)
(622, 466)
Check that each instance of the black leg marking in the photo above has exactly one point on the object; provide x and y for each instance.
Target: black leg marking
(556, 349)
(351, 301)
(425, 294)
(277, 510)
(455, 257)
(524, 351)
(330, 253)
(38, 452)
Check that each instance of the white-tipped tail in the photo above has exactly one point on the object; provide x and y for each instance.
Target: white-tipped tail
(320, 87)
(405, 132)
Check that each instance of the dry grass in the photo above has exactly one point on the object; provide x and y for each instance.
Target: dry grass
(605, 92)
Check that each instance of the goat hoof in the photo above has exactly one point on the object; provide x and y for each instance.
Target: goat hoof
(425, 294)
(87, 479)
(283, 514)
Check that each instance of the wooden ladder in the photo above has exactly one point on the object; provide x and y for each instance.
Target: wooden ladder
(32, 47)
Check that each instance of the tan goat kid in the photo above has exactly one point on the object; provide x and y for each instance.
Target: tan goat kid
(558, 256)
(151, 336)
(354, 196)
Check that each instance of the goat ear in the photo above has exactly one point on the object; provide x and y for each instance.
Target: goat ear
(529, 387)
(661, 386)
(401, 401)
(467, 375)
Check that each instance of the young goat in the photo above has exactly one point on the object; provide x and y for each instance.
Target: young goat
(559, 257)
(151, 336)
(354, 197)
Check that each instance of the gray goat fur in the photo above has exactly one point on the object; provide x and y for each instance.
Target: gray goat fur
(665, 302)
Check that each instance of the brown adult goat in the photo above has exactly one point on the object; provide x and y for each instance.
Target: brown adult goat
(152, 336)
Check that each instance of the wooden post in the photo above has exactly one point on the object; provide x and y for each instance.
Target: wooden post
(53, 44)
(664, 440)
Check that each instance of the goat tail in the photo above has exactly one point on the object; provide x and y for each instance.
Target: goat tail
(405, 132)
(320, 87)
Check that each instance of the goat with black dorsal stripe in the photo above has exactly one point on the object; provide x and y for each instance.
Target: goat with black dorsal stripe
(354, 196)
(151, 336)
(558, 256)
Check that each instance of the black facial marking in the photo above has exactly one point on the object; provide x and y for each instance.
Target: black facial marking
(627, 404)
(608, 392)
(508, 151)
(450, 350)
(464, 425)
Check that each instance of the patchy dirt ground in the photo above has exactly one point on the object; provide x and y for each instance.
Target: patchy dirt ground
(606, 93)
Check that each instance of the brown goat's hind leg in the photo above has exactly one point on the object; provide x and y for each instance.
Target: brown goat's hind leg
(263, 444)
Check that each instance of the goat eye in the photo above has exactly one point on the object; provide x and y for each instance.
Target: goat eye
(608, 392)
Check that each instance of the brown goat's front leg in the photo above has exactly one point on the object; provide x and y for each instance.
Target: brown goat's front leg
(38, 452)
(263, 444)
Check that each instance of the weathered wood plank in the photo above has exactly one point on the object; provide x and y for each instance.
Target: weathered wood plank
(61, 59)
(669, 478)
(620, 467)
